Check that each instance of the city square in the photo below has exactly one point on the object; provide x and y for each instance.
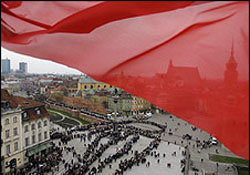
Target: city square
(124, 88)
(170, 143)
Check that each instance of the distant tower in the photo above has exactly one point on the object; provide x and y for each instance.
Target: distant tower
(5, 66)
(231, 74)
(23, 67)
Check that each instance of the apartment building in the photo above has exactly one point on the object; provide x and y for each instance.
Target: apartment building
(11, 129)
(35, 128)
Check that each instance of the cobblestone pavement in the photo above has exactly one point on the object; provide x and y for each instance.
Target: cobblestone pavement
(155, 167)
(178, 127)
(184, 127)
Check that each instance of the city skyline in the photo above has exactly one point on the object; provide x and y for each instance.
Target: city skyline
(34, 64)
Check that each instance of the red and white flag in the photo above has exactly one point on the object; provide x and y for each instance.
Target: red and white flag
(188, 58)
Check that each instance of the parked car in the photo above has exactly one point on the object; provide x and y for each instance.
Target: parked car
(214, 141)
(193, 128)
(187, 136)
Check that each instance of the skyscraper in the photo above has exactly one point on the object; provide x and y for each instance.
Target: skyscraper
(5, 69)
(23, 67)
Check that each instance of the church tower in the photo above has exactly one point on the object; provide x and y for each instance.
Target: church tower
(231, 74)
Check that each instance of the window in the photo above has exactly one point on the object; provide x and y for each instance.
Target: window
(26, 128)
(39, 137)
(33, 139)
(39, 125)
(25, 114)
(45, 135)
(7, 121)
(91, 86)
(15, 119)
(85, 87)
(33, 126)
(104, 86)
(15, 146)
(38, 111)
(45, 123)
(7, 149)
(15, 131)
(27, 141)
(7, 134)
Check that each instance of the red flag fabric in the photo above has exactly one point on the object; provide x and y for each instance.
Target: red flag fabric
(188, 58)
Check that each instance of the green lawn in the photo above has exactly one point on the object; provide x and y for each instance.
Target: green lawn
(64, 125)
(243, 172)
(84, 122)
(69, 121)
(62, 112)
(225, 159)
(54, 116)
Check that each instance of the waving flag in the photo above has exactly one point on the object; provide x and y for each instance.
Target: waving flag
(188, 58)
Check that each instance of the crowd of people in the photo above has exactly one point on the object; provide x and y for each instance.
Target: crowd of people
(115, 132)
(44, 163)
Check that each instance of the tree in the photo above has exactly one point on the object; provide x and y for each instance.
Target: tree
(58, 96)
(65, 91)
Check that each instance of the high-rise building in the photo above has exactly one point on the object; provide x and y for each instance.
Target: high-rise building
(23, 67)
(5, 69)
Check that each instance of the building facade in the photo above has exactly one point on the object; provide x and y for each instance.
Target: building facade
(140, 105)
(35, 129)
(89, 83)
(123, 105)
(5, 69)
(23, 67)
(11, 86)
(11, 129)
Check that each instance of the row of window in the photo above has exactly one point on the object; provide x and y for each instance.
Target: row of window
(26, 129)
(33, 138)
(25, 114)
(91, 86)
(7, 121)
(33, 126)
(8, 150)
(7, 133)
(139, 101)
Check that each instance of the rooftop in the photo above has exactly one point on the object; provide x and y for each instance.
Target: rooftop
(88, 80)
(27, 103)
(5, 96)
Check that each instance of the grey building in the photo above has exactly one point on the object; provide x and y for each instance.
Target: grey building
(23, 67)
(5, 69)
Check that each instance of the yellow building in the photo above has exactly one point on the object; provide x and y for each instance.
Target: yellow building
(11, 134)
(140, 105)
(89, 83)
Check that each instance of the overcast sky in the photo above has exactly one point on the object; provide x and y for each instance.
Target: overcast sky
(36, 65)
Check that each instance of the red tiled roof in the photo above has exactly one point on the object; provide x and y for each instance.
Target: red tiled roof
(27, 103)
(59, 88)
(29, 106)
(5, 96)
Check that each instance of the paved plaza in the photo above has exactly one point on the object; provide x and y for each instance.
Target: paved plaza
(155, 167)
(199, 158)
